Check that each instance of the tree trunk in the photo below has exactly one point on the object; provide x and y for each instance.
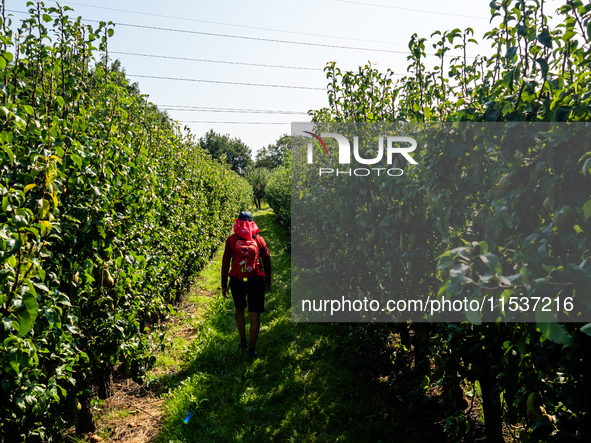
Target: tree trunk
(104, 380)
(491, 406)
(84, 420)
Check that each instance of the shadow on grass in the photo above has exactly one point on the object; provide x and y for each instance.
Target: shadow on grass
(306, 386)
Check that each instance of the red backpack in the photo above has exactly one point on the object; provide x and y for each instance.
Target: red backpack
(246, 262)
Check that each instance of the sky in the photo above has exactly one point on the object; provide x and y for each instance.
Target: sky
(222, 43)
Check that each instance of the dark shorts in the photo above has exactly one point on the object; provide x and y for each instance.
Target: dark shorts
(252, 290)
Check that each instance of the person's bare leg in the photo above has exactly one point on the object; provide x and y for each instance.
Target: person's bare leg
(240, 323)
(255, 326)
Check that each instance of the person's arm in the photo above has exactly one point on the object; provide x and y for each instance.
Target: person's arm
(226, 267)
(266, 259)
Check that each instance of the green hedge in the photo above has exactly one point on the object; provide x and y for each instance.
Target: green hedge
(278, 194)
(107, 212)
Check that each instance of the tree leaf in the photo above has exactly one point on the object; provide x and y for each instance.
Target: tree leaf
(579, 280)
(562, 113)
(8, 152)
(493, 263)
(586, 329)
(545, 38)
(543, 66)
(27, 313)
(555, 332)
(511, 52)
(587, 210)
(550, 328)
(456, 276)
(76, 159)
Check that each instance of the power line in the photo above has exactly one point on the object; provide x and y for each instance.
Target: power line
(236, 25)
(224, 83)
(227, 62)
(270, 40)
(229, 110)
(215, 61)
(233, 123)
(213, 34)
(412, 10)
(222, 61)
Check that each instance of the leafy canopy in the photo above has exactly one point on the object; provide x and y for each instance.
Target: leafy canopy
(224, 149)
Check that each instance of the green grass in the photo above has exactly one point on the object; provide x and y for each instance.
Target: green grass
(306, 385)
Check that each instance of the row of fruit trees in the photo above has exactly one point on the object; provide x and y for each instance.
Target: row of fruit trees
(108, 209)
(499, 206)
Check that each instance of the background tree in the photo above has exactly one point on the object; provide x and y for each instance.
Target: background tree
(278, 190)
(258, 178)
(227, 150)
(273, 156)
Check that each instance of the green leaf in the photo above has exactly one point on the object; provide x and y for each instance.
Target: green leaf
(579, 280)
(484, 246)
(568, 35)
(545, 38)
(586, 329)
(587, 210)
(456, 276)
(550, 328)
(493, 263)
(46, 18)
(525, 275)
(26, 312)
(76, 159)
(492, 116)
(555, 332)
(8, 56)
(29, 187)
(562, 113)
(474, 316)
(511, 52)
(543, 66)
(8, 152)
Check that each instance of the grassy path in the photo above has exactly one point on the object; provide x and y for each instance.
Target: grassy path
(311, 382)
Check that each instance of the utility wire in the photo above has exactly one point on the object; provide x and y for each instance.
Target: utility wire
(223, 61)
(240, 111)
(236, 25)
(215, 61)
(224, 83)
(270, 40)
(412, 10)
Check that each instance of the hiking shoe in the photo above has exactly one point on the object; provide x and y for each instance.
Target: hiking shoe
(252, 353)
(243, 344)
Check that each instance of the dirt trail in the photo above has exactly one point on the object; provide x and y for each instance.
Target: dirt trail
(134, 413)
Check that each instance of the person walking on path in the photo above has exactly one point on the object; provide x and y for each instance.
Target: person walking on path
(244, 252)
